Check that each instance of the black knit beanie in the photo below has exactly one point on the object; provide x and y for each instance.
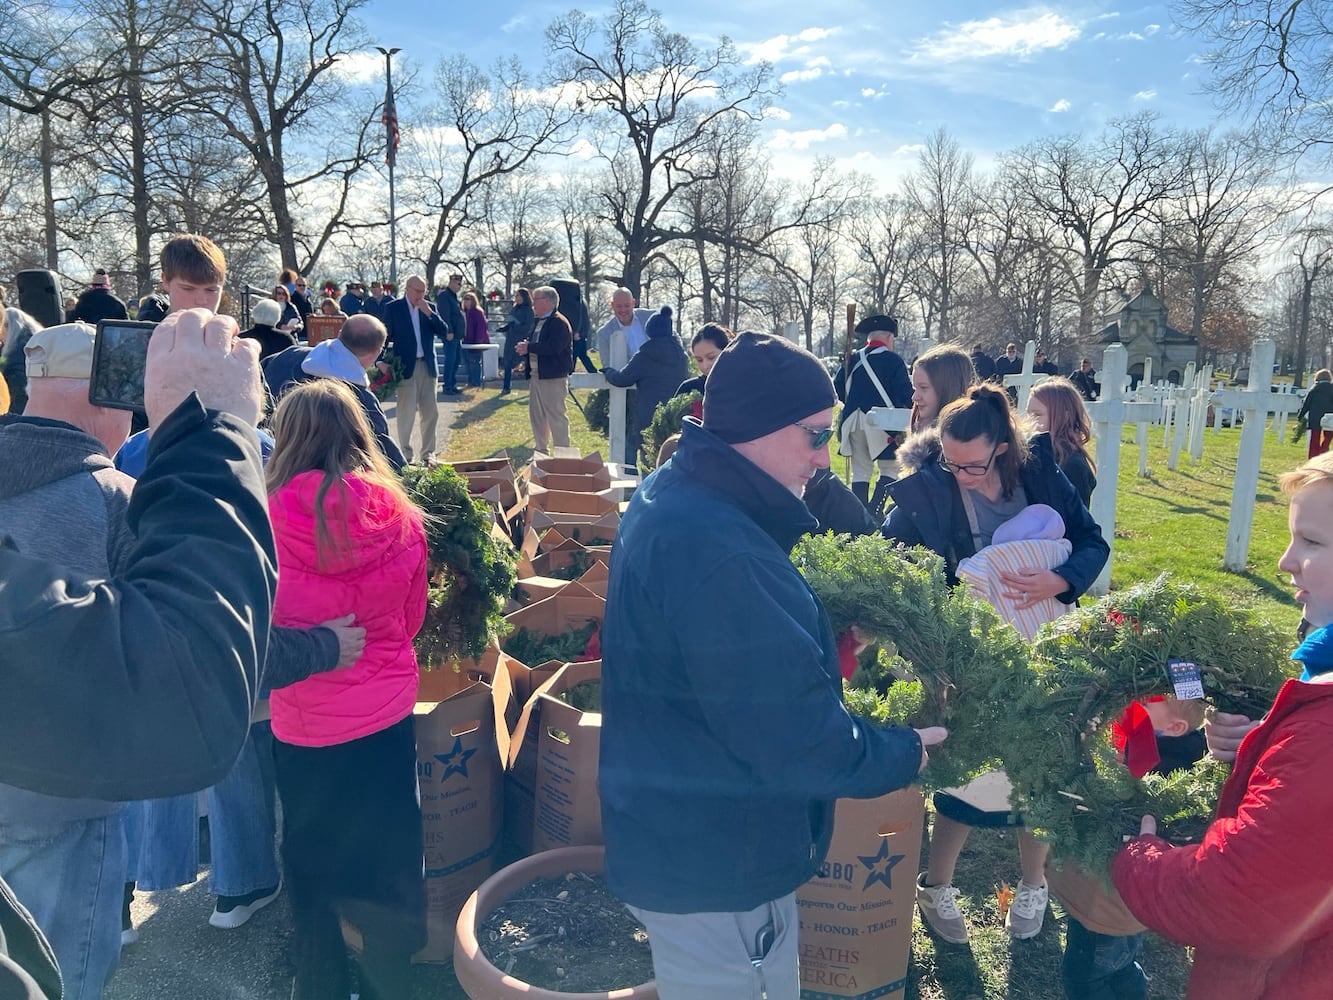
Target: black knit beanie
(760, 384)
(659, 324)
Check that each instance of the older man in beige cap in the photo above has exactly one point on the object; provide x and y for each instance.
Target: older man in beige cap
(62, 500)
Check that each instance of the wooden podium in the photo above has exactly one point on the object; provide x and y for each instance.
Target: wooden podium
(321, 328)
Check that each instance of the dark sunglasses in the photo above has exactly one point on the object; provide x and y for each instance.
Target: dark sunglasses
(818, 436)
(971, 468)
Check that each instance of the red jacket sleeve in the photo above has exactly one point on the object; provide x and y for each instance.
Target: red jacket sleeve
(1256, 885)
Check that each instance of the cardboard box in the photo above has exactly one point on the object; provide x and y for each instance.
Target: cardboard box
(567, 809)
(564, 462)
(574, 606)
(856, 913)
(462, 743)
(583, 528)
(498, 463)
(520, 790)
(590, 483)
(557, 501)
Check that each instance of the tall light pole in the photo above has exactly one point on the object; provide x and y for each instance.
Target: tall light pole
(390, 119)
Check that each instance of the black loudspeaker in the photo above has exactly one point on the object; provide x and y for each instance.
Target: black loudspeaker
(571, 303)
(40, 296)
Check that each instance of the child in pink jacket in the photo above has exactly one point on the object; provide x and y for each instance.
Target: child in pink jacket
(348, 538)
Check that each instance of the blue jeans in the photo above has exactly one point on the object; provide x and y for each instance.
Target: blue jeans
(1101, 967)
(163, 834)
(452, 350)
(473, 367)
(71, 878)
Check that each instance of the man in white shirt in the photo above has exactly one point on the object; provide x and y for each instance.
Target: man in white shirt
(624, 333)
(413, 325)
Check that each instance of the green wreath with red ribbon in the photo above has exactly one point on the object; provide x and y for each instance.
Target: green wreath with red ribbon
(1042, 711)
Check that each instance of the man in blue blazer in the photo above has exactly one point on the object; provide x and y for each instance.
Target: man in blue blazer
(413, 325)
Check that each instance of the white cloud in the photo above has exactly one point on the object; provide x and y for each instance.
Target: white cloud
(805, 138)
(1152, 29)
(779, 114)
(1145, 95)
(1021, 34)
(781, 47)
(518, 22)
(1059, 106)
(813, 73)
(361, 67)
(909, 149)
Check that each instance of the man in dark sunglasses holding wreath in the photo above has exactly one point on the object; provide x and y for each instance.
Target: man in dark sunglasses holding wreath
(724, 737)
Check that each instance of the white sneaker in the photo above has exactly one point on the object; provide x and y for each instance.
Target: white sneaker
(1028, 911)
(939, 909)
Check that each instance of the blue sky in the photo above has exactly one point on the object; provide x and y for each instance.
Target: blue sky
(866, 82)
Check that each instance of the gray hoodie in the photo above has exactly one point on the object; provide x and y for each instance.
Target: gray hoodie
(61, 500)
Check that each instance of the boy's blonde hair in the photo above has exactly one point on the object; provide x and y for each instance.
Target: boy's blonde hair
(1317, 470)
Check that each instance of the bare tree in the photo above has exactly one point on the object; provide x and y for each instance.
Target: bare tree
(1312, 248)
(1096, 197)
(1218, 219)
(1274, 57)
(661, 100)
(939, 198)
(517, 213)
(586, 234)
(487, 126)
(876, 233)
(270, 86)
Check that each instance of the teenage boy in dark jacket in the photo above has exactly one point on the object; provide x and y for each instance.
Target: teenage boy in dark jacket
(179, 636)
(725, 741)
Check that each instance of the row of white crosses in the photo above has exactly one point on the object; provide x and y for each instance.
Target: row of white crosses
(1183, 410)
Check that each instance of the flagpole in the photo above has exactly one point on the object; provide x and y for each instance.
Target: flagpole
(390, 119)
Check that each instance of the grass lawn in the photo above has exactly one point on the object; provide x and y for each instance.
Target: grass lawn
(1168, 521)
(488, 424)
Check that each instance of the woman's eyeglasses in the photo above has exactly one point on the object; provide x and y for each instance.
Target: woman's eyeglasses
(971, 468)
(819, 436)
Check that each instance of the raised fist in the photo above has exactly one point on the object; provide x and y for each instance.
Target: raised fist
(196, 351)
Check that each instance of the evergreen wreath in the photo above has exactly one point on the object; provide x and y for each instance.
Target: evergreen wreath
(385, 385)
(667, 420)
(471, 571)
(1042, 712)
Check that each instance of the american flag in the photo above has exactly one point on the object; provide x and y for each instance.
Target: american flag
(390, 119)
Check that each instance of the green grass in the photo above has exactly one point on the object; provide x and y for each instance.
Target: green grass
(488, 424)
(1168, 521)
(1177, 522)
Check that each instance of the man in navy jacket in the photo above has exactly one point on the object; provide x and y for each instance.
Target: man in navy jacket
(725, 741)
(413, 325)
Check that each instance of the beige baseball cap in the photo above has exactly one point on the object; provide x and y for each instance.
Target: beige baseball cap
(64, 351)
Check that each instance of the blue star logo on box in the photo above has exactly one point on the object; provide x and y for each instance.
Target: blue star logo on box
(880, 866)
(455, 761)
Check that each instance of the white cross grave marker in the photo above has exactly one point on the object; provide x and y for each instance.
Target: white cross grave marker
(1109, 414)
(1254, 402)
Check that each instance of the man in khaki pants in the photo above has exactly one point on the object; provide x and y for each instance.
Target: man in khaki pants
(412, 326)
(552, 344)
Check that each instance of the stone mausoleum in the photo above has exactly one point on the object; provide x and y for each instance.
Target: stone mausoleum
(1140, 324)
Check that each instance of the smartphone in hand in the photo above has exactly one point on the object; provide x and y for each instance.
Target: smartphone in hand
(120, 354)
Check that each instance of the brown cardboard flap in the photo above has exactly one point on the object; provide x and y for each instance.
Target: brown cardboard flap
(856, 913)
(497, 463)
(557, 501)
(591, 483)
(531, 589)
(583, 528)
(574, 606)
(597, 577)
(564, 462)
